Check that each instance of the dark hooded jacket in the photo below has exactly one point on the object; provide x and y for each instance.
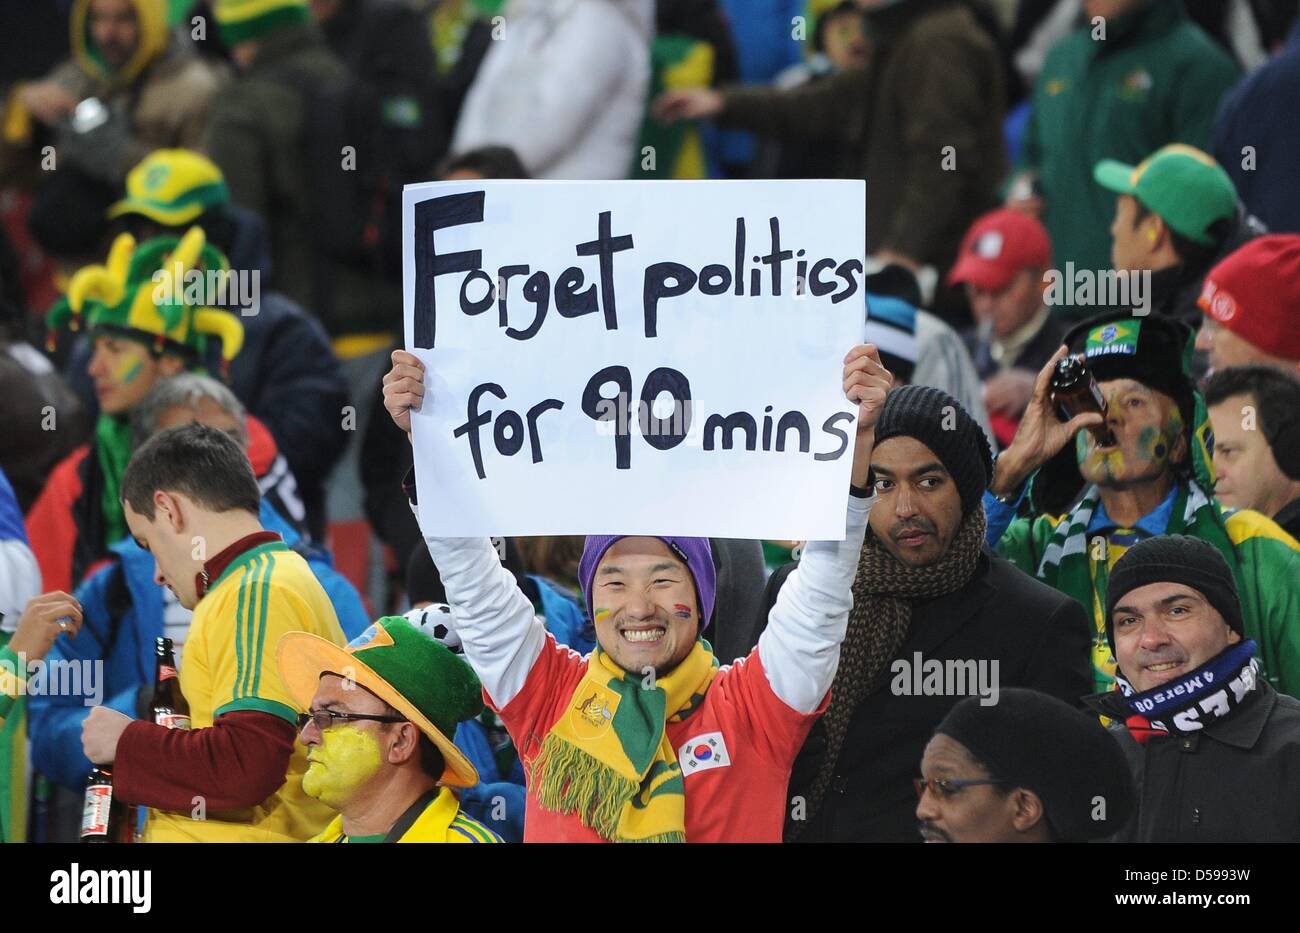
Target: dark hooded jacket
(1234, 781)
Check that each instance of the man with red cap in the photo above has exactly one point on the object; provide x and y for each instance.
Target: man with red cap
(1251, 302)
(1001, 264)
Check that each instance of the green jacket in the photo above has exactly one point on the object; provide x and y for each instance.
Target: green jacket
(1265, 561)
(13, 747)
(1156, 78)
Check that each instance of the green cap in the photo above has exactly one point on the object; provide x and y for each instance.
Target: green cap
(1182, 185)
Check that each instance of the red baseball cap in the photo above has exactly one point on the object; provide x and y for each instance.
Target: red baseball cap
(1255, 293)
(998, 246)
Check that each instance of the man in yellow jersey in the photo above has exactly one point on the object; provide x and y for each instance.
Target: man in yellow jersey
(191, 499)
(380, 716)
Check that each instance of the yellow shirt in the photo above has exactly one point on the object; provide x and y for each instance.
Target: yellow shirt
(441, 821)
(229, 664)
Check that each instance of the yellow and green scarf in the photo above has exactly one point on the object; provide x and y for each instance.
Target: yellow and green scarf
(608, 758)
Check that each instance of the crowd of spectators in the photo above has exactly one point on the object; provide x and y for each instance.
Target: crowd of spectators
(1116, 181)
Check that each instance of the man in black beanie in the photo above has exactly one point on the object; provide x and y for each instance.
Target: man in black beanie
(936, 617)
(1213, 747)
(1030, 769)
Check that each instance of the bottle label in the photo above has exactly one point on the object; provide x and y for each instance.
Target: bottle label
(171, 720)
(94, 815)
(166, 672)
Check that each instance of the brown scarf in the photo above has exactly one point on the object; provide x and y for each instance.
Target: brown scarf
(883, 592)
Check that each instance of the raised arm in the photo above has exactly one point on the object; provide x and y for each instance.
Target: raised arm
(501, 635)
(495, 621)
(800, 648)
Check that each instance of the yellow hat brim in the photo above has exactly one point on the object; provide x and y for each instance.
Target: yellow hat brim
(173, 217)
(303, 658)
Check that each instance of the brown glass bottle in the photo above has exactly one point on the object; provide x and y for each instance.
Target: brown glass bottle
(168, 706)
(103, 817)
(1075, 392)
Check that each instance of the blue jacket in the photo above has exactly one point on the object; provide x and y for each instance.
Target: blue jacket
(117, 654)
(765, 45)
(498, 800)
(1260, 113)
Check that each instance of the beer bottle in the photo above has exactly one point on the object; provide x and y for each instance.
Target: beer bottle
(103, 817)
(168, 706)
(1075, 392)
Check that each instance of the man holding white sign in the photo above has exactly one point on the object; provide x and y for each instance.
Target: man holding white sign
(647, 739)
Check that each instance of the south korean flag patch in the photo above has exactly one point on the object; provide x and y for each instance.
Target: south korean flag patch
(702, 753)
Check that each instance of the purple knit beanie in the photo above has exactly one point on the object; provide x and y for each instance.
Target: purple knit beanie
(695, 553)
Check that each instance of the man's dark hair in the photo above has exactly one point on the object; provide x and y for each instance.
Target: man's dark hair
(1194, 255)
(196, 460)
(845, 8)
(488, 161)
(431, 761)
(1276, 394)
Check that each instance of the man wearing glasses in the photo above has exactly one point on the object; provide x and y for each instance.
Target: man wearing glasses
(1030, 768)
(377, 733)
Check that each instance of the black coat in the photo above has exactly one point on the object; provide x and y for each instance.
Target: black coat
(1038, 636)
(1235, 781)
(1289, 518)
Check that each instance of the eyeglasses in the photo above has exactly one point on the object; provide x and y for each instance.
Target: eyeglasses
(948, 788)
(324, 718)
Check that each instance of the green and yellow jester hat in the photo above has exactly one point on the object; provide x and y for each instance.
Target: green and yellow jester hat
(140, 294)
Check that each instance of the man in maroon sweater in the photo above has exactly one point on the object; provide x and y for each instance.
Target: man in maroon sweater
(189, 492)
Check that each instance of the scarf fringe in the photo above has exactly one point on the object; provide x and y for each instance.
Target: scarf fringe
(569, 780)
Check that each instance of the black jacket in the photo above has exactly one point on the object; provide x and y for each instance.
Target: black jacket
(1289, 518)
(1235, 781)
(1039, 638)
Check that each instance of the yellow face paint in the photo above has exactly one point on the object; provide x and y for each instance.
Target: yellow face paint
(340, 765)
(127, 370)
(602, 615)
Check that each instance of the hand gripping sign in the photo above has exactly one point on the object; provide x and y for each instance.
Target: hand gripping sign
(634, 357)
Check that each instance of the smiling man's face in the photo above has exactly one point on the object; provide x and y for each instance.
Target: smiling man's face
(1164, 631)
(646, 613)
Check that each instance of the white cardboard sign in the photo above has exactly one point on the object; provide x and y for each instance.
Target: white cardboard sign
(634, 357)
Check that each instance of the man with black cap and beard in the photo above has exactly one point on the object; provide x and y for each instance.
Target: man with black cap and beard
(936, 617)
(1193, 712)
(1030, 769)
(1065, 504)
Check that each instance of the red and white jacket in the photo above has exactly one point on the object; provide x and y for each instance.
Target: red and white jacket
(735, 750)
